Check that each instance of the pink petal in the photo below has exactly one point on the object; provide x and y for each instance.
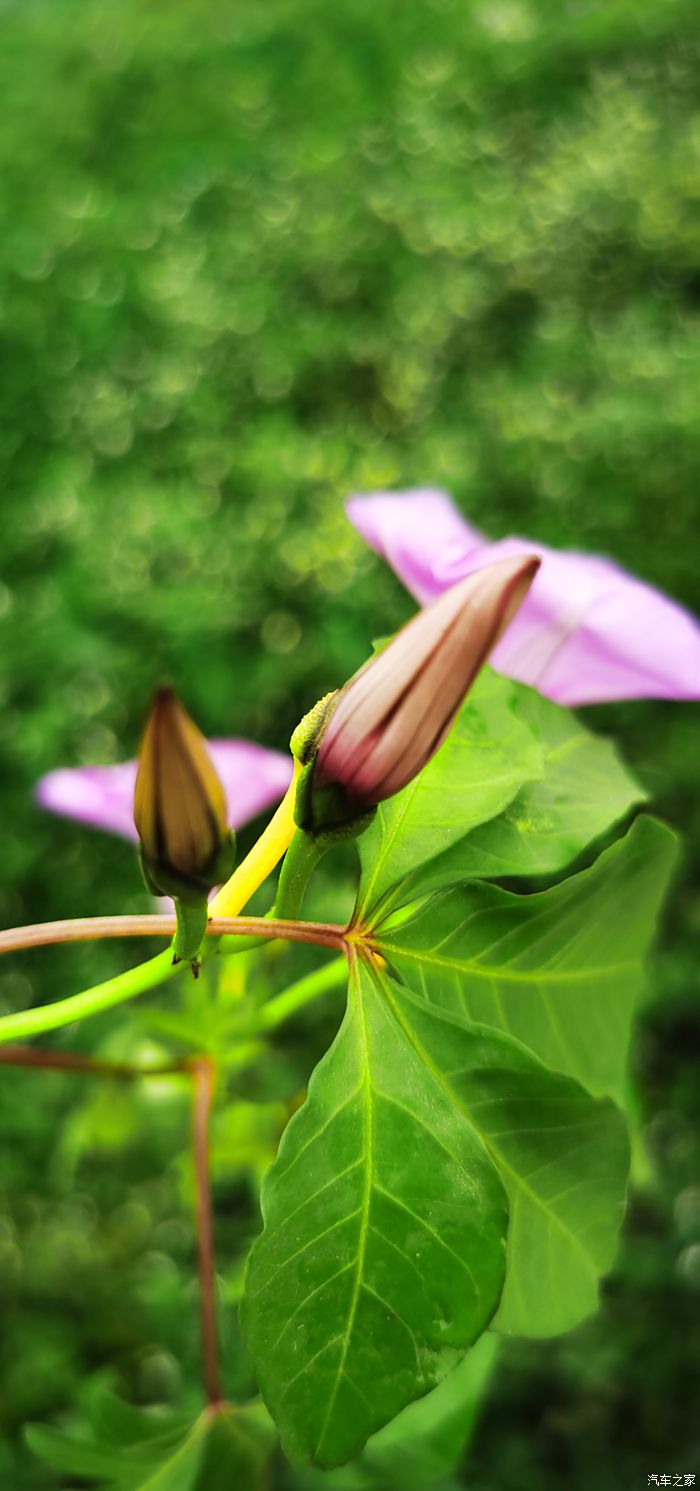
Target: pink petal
(586, 633)
(420, 534)
(253, 779)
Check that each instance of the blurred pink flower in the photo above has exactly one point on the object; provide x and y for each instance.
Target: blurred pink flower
(253, 779)
(587, 631)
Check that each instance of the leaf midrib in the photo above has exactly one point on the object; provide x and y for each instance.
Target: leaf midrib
(388, 840)
(368, 1145)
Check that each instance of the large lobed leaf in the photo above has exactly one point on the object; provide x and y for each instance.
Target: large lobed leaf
(382, 1257)
(383, 1250)
(583, 790)
(561, 1154)
(520, 787)
(488, 755)
(132, 1450)
(561, 970)
(468, 1093)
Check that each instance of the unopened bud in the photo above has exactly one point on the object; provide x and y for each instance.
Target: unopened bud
(180, 810)
(392, 716)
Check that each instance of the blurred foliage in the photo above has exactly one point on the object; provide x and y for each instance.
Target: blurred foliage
(253, 258)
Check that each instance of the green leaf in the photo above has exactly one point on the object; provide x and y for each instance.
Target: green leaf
(185, 1028)
(82, 1458)
(239, 1443)
(488, 755)
(419, 1449)
(561, 970)
(562, 1154)
(180, 1472)
(424, 1442)
(156, 1464)
(382, 1256)
(244, 1137)
(120, 1423)
(585, 789)
(218, 1451)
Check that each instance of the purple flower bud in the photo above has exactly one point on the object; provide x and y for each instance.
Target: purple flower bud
(392, 716)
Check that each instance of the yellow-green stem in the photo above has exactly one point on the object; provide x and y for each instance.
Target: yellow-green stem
(261, 861)
(92, 1001)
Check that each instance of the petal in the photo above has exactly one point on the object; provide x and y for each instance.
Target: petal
(420, 533)
(587, 631)
(100, 795)
(253, 778)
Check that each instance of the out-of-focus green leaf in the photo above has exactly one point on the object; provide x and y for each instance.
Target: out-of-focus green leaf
(239, 1443)
(194, 1457)
(122, 1424)
(244, 1137)
(75, 1457)
(562, 970)
(182, 1027)
(181, 1470)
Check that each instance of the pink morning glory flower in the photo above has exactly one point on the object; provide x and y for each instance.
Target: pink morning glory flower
(587, 632)
(103, 796)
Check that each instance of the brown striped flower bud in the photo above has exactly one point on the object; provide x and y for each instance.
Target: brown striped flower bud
(180, 807)
(390, 718)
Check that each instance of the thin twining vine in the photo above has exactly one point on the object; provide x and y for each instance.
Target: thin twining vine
(92, 929)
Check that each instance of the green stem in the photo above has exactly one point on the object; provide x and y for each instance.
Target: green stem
(300, 861)
(148, 975)
(91, 1002)
(191, 931)
(298, 865)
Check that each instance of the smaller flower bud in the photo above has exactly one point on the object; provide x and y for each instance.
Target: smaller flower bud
(180, 810)
(385, 724)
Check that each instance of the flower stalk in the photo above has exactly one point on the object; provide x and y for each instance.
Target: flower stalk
(262, 859)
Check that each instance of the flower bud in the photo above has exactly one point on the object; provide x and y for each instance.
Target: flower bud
(180, 810)
(392, 716)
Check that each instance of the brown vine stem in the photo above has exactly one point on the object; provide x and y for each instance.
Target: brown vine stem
(90, 1066)
(91, 928)
(204, 1081)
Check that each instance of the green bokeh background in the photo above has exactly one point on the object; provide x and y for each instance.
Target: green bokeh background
(255, 257)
